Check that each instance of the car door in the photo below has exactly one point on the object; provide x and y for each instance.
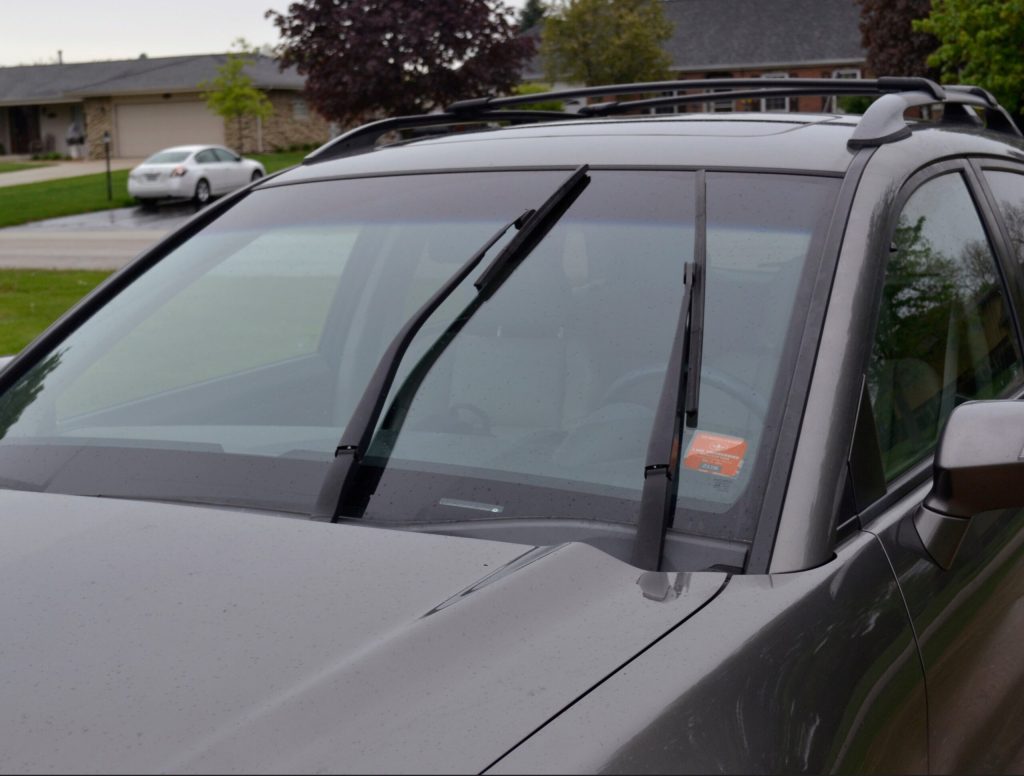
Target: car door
(211, 168)
(235, 173)
(947, 332)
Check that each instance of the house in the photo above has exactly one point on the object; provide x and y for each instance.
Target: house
(146, 104)
(766, 39)
(758, 39)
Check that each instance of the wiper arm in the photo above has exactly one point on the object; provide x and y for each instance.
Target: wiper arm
(341, 483)
(677, 404)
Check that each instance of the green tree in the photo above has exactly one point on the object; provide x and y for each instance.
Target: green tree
(542, 104)
(531, 14)
(980, 42)
(606, 41)
(232, 95)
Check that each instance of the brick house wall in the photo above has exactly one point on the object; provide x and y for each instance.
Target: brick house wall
(793, 104)
(99, 118)
(293, 123)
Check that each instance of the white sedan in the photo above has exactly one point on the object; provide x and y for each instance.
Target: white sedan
(196, 172)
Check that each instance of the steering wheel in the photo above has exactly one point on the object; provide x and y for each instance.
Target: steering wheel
(627, 388)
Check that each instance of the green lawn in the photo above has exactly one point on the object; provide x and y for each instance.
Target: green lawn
(65, 197)
(15, 166)
(280, 160)
(88, 193)
(30, 300)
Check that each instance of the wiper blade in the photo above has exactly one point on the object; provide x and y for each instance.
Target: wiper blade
(338, 493)
(677, 404)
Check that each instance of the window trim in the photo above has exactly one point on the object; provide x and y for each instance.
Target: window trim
(840, 74)
(779, 75)
(917, 475)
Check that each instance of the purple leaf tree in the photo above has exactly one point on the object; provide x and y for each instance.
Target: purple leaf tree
(366, 58)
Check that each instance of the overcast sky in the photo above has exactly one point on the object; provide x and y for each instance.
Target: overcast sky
(31, 31)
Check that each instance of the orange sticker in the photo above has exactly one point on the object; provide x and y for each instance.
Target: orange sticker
(715, 454)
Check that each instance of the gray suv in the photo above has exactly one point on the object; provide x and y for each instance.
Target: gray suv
(596, 442)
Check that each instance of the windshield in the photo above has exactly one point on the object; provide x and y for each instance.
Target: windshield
(228, 371)
(168, 157)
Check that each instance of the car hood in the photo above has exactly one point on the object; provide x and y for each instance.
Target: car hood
(155, 637)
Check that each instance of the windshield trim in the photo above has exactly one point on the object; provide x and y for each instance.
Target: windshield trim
(267, 183)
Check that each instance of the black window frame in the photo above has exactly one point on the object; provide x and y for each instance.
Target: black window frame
(862, 486)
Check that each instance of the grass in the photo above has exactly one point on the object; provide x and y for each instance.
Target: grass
(88, 193)
(30, 300)
(15, 166)
(64, 197)
(280, 160)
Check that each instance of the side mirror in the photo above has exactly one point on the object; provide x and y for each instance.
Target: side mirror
(979, 466)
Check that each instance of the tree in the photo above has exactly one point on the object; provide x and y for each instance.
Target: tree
(980, 42)
(366, 57)
(531, 14)
(893, 46)
(232, 95)
(606, 41)
(542, 104)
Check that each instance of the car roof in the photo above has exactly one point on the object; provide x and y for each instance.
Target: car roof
(769, 141)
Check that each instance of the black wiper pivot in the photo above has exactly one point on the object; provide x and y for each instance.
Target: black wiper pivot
(340, 485)
(677, 404)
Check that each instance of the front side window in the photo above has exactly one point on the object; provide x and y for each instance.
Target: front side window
(944, 332)
(227, 372)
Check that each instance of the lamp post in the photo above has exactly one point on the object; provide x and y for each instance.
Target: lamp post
(106, 155)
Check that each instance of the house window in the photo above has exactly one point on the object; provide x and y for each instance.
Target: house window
(668, 108)
(300, 110)
(775, 103)
(842, 73)
(721, 106)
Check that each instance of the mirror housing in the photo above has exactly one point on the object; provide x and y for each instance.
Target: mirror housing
(979, 466)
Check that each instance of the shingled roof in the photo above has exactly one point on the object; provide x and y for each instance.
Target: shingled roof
(720, 35)
(62, 83)
(739, 34)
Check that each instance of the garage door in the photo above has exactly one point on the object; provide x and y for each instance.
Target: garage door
(144, 128)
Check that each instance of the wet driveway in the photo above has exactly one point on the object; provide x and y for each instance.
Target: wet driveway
(105, 241)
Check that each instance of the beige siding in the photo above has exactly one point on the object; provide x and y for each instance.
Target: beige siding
(143, 128)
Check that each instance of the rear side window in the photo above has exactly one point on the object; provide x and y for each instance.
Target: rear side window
(1008, 188)
(944, 334)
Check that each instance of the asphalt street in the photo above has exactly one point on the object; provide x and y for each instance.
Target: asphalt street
(105, 241)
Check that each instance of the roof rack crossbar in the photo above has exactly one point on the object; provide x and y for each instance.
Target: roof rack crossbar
(827, 85)
(882, 123)
(598, 109)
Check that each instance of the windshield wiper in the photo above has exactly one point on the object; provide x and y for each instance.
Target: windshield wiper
(677, 404)
(339, 494)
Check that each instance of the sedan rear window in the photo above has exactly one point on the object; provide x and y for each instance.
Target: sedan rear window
(228, 371)
(168, 157)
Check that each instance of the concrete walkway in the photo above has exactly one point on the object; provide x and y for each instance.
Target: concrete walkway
(63, 170)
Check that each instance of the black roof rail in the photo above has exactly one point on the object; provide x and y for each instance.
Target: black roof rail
(364, 137)
(882, 123)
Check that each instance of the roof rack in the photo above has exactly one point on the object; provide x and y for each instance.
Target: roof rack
(882, 123)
